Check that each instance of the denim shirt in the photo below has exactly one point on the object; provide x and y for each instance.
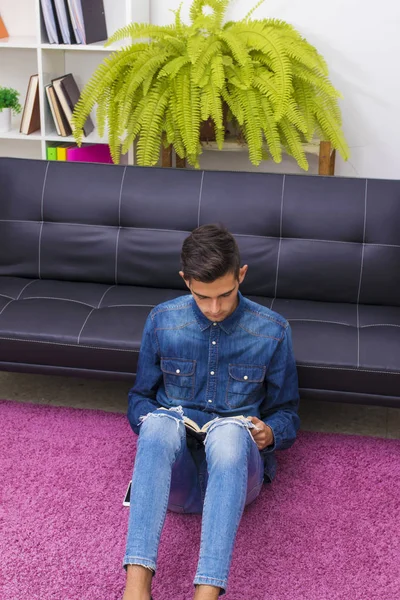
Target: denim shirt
(243, 365)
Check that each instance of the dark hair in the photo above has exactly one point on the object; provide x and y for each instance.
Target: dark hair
(208, 253)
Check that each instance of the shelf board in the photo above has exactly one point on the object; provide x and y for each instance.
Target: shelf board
(92, 138)
(19, 42)
(14, 134)
(96, 47)
(231, 144)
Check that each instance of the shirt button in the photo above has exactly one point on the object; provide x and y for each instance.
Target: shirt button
(178, 370)
(214, 324)
(213, 343)
(245, 377)
(210, 400)
(212, 373)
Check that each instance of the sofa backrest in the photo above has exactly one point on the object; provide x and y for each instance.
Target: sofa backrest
(307, 237)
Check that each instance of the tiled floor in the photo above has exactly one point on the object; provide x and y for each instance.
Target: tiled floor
(112, 396)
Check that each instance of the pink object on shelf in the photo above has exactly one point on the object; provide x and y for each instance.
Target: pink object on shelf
(97, 153)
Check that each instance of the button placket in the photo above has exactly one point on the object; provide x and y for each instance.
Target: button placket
(212, 364)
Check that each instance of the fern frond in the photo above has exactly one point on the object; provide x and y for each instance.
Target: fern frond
(215, 20)
(270, 129)
(149, 63)
(174, 45)
(295, 117)
(134, 124)
(102, 78)
(302, 53)
(236, 47)
(215, 104)
(318, 81)
(149, 143)
(267, 41)
(229, 94)
(264, 81)
(173, 67)
(211, 49)
(218, 72)
(195, 47)
(179, 26)
(252, 124)
(101, 112)
(331, 128)
(188, 109)
(247, 17)
(303, 95)
(292, 142)
(140, 30)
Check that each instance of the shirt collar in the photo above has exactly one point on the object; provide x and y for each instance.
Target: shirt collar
(228, 325)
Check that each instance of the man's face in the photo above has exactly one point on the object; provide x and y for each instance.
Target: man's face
(218, 299)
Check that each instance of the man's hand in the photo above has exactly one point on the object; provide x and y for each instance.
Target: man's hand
(263, 435)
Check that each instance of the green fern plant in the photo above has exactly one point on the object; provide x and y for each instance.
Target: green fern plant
(158, 91)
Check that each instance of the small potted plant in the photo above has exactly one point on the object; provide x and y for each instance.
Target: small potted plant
(8, 103)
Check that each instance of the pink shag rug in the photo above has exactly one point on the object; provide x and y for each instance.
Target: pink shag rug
(328, 528)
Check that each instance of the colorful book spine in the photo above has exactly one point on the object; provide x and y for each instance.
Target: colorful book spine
(51, 152)
(97, 153)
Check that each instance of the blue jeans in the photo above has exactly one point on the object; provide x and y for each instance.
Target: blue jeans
(217, 478)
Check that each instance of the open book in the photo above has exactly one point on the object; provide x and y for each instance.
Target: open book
(193, 430)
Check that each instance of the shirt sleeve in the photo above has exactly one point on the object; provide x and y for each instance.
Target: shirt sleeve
(279, 410)
(142, 396)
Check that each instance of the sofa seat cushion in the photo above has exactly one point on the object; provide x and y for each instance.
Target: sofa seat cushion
(82, 326)
(344, 347)
(75, 325)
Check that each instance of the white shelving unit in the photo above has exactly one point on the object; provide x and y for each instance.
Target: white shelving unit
(27, 51)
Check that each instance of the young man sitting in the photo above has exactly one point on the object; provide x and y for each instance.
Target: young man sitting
(209, 356)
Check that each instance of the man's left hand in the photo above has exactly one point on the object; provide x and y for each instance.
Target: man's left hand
(263, 435)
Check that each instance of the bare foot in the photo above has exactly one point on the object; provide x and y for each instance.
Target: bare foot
(138, 583)
(206, 592)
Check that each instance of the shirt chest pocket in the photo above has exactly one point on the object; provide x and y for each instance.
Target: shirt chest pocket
(179, 378)
(244, 381)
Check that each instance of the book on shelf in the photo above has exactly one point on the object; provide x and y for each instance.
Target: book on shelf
(57, 151)
(99, 153)
(74, 21)
(88, 20)
(68, 95)
(62, 151)
(199, 433)
(30, 121)
(60, 120)
(50, 21)
(96, 153)
(3, 29)
(64, 21)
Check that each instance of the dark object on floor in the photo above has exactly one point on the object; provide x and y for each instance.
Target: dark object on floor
(86, 250)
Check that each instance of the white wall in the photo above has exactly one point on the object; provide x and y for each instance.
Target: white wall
(360, 40)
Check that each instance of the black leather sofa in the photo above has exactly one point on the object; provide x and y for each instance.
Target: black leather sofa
(87, 249)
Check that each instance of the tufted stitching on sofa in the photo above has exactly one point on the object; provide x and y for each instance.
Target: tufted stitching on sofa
(261, 237)
(361, 272)
(104, 295)
(54, 298)
(24, 288)
(5, 306)
(93, 309)
(119, 225)
(322, 321)
(41, 216)
(68, 345)
(280, 237)
(200, 195)
(303, 365)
